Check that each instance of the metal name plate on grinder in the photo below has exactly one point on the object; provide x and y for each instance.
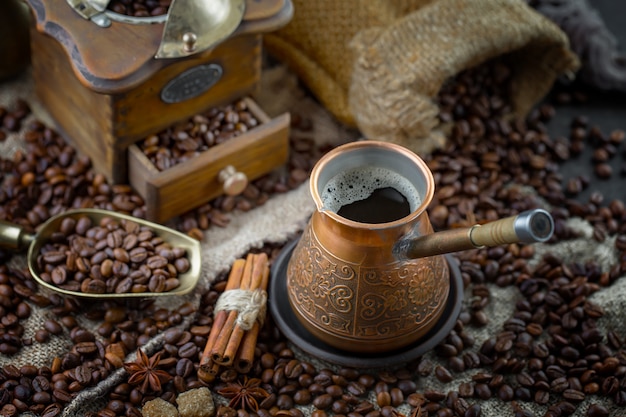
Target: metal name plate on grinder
(191, 83)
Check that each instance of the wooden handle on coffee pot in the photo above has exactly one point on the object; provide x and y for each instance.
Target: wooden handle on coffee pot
(527, 227)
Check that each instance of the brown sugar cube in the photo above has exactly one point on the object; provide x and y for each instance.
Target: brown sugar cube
(159, 408)
(196, 402)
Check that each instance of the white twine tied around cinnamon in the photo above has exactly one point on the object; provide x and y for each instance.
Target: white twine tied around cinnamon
(249, 304)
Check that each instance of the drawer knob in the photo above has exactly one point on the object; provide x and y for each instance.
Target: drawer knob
(233, 181)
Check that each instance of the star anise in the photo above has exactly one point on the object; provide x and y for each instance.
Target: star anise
(244, 396)
(417, 411)
(144, 371)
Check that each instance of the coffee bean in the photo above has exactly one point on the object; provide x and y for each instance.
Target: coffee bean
(109, 263)
(474, 410)
(397, 397)
(302, 397)
(559, 384)
(170, 147)
(93, 286)
(62, 395)
(620, 398)
(284, 402)
(456, 364)
(573, 395)
(597, 410)
(138, 255)
(383, 398)
(182, 265)
(506, 393)
(460, 406)
(53, 410)
(82, 375)
(407, 386)
(480, 318)
(540, 350)
(356, 388)
(323, 402)
(443, 374)
(53, 257)
(482, 391)
(184, 367)
(41, 398)
(53, 327)
(603, 170)
(542, 397)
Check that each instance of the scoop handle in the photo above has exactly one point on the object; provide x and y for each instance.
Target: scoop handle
(13, 236)
(527, 227)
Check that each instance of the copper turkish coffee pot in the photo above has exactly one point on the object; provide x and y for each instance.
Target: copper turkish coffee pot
(377, 287)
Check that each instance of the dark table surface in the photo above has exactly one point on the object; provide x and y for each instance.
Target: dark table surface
(604, 110)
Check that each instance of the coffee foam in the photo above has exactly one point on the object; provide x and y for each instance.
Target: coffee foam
(359, 183)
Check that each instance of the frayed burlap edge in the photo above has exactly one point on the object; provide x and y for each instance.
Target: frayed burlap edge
(400, 69)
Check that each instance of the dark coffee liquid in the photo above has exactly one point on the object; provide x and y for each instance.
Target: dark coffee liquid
(383, 205)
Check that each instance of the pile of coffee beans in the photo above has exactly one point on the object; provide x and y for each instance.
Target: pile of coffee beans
(303, 153)
(50, 177)
(140, 8)
(13, 310)
(110, 257)
(550, 354)
(200, 132)
(605, 147)
(91, 357)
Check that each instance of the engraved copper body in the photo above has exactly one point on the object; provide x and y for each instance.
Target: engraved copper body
(373, 288)
(344, 283)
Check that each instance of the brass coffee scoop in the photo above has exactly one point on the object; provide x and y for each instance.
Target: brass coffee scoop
(14, 237)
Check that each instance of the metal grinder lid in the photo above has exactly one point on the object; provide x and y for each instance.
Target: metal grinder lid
(191, 26)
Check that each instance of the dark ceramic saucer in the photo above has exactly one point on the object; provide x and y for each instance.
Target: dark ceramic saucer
(303, 339)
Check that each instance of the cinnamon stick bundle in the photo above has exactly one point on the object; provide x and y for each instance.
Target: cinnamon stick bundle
(245, 354)
(208, 369)
(236, 324)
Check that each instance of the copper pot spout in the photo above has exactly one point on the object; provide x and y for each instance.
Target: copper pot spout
(527, 227)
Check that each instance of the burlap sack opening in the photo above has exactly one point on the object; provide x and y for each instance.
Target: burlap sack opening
(383, 79)
(315, 44)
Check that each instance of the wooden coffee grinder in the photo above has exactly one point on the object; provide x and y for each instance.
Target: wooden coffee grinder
(110, 80)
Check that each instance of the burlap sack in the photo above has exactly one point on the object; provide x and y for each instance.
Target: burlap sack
(377, 65)
(315, 43)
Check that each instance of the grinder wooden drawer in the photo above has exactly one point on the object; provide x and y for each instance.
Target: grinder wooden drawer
(196, 181)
